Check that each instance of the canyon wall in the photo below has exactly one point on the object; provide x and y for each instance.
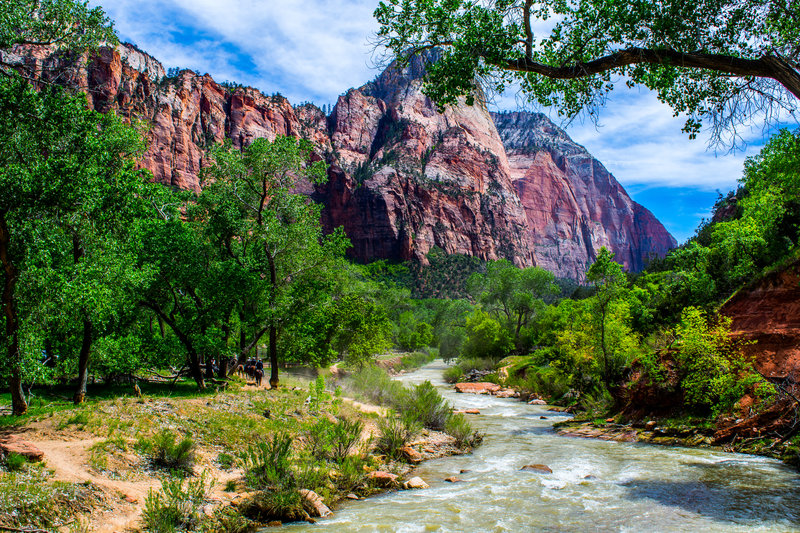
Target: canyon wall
(403, 177)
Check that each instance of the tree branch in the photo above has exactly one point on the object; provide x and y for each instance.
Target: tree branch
(766, 67)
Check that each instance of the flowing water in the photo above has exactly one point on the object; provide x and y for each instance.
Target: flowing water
(595, 485)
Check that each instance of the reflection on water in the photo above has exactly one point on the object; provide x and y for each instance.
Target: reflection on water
(595, 485)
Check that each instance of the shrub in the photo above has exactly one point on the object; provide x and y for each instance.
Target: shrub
(334, 440)
(277, 504)
(394, 432)
(14, 462)
(418, 359)
(428, 406)
(374, 384)
(268, 463)
(175, 506)
(459, 428)
(454, 374)
(714, 372)
(165, 452)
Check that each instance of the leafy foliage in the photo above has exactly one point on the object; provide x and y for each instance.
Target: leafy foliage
(723, 61)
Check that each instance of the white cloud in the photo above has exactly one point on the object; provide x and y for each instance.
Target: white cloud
(305, 49)
(315, 50)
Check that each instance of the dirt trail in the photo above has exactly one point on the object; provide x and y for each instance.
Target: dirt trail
(124, 500)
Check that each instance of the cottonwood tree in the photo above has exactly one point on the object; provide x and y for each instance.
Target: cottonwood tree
(512, 293)
(261, 221)
(720, 60)
(610, 333)
(62, 166)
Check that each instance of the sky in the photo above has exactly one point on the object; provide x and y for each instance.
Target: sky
(314, 50)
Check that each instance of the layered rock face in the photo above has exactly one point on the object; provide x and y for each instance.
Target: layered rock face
(403, 177)
(768, 313)
(572, 203)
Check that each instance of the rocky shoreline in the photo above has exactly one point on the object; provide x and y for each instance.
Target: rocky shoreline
(662, 433)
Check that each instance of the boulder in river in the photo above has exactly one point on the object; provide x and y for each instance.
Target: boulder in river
(452, 479)
(313, 504)
(412, 455)
(383, 479)
(543, 469)
(416, 483)
(537, 401)
(477, 388)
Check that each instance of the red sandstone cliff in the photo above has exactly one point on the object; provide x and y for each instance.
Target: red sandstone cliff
(573, 204)
(768, 312)
(403, 177)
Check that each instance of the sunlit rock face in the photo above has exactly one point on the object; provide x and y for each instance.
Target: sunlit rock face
(403, 177)
(573, 205)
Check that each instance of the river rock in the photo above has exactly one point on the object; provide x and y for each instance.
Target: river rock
(351, 496)
(477, 388)
(412, 455)
(14, 444)
(506, 393)
(416, 483)
(452, 479)
(383, 479)
(537, 401)
(313, 504)
(544, 469)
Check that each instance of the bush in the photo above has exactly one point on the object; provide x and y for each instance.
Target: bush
(376, 385)
(334, 440)
(454, 374)
(14, 462)
(394, 432)
(714, 373)
(276, 504)
(175, 506)
(268, 464)
(428, 406)
(418, 359)
(165, 452)
(546, 381)
(459, 428)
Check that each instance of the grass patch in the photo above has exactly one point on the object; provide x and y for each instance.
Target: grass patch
(30, 499)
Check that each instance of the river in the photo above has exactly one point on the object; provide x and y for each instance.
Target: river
(595, 485)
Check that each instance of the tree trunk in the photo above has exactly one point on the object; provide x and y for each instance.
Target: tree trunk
(273, 357)
(273, 330)
(195, 367)
(83, 362)
(222, 373)
(18, 404)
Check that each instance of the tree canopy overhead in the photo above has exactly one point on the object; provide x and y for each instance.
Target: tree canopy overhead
(722, 61)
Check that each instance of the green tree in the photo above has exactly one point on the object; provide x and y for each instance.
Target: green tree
(412, 333)
(486, 337)
(63, 167)
(513, 293)
(270, 230)
(714, 374)
(609, 282)
(726, 60)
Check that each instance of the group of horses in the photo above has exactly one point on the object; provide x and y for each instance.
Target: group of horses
(252, 368)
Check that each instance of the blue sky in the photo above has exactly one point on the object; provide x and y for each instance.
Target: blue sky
(314, 50)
